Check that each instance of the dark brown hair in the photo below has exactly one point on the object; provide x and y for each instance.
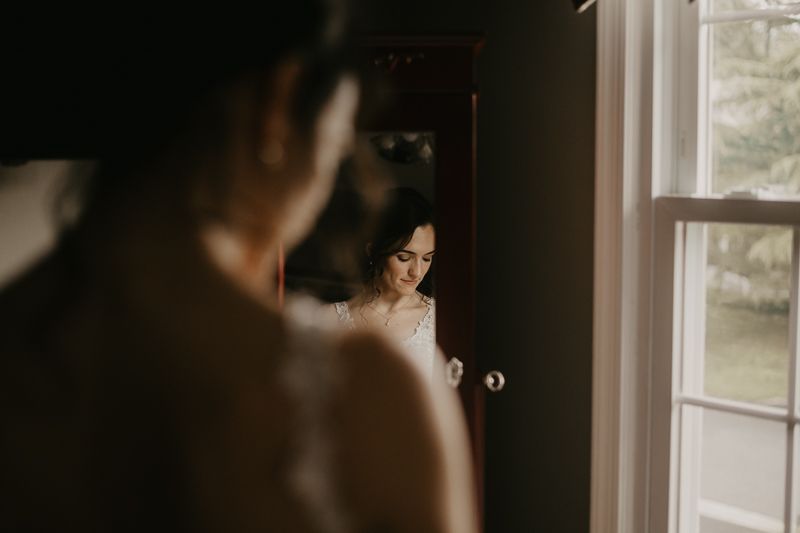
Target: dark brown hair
(167, 71)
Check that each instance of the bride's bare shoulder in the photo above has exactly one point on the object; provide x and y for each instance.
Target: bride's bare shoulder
(327, 315)
(394, 435)
(387, 437)
(371, 356)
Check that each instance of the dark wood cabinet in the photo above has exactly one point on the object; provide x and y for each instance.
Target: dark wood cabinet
(430, 81)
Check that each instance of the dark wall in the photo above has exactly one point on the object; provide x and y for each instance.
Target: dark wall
(425, 16)
(535, 238)
(535, 233)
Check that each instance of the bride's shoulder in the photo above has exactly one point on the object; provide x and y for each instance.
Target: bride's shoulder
(313, 312)
(382, 391)
(396, 430)
(365, 355)
(379, 378)
(328, 314)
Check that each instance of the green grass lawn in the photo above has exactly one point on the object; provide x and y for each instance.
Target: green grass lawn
(746, 350)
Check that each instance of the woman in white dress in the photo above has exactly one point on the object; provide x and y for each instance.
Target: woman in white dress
(395, 301)
(148, 378)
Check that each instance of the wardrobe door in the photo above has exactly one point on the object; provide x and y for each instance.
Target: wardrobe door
(430, 87)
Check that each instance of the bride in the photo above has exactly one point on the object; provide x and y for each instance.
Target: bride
(395, 300)
(148, 377)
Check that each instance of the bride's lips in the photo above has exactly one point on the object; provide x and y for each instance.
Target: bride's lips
(410, 282)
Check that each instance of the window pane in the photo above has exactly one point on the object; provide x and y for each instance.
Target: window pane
(742, 478)
(755, 107)
(720, 6)
(747, 312)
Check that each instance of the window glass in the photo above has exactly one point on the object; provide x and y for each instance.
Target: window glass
(748, 280)
(755, 107)
(742, 473)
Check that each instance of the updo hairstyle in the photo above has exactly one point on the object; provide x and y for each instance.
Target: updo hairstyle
(167, 97)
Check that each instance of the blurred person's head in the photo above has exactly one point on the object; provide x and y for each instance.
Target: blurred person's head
(401, 253)
(238, 119)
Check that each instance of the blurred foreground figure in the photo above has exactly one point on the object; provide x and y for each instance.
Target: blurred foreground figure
(148, 380)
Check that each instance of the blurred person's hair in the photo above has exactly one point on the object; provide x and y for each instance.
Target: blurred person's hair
(181, 78)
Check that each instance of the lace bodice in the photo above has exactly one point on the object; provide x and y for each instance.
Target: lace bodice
(311, 380)
(420, 346)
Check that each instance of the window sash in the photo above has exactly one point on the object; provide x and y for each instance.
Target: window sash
(674, 446)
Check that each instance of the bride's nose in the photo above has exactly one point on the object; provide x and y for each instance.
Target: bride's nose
(413, 267)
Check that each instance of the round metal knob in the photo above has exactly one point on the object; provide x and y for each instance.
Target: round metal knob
(494, 381)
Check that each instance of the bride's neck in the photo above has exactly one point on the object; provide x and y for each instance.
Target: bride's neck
(391, 300)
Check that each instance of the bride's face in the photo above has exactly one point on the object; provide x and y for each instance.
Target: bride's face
(403, 271)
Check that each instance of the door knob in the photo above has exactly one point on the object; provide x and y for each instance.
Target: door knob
(454, 370)
(494, 381)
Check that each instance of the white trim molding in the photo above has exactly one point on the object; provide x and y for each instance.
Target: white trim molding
(622, 233)
(607, 312)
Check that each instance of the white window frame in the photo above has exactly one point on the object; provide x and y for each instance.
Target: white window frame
(675, 466)
(639, 92)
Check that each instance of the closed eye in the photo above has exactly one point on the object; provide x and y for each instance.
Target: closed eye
(404, 259)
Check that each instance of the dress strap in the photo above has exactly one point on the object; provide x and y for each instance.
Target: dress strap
(430, 317)
(344, 315)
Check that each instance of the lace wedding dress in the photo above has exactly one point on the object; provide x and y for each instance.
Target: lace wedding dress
(420, 347)
(311, 379)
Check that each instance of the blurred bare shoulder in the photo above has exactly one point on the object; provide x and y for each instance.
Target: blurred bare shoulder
(327, 317)
(404, 443)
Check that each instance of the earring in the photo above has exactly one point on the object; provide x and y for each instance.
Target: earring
(271, 151)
